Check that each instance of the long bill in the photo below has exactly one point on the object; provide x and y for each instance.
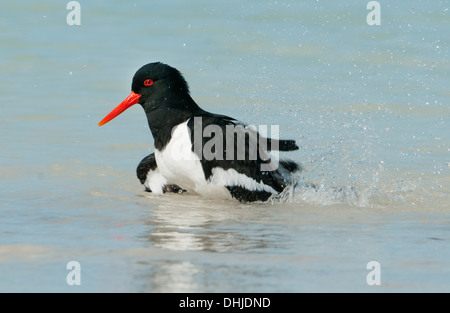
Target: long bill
(132, 99)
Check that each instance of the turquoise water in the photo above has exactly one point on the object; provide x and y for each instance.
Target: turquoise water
(368, 105)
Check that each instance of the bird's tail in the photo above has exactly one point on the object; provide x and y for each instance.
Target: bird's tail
(281, 145)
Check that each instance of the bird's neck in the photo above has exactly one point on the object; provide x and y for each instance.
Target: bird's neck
(167, 112)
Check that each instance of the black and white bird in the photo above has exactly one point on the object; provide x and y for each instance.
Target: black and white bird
(239, 163)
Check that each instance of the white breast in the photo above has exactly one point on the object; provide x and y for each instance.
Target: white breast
(179, 165)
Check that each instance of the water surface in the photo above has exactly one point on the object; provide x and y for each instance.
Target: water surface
(368, 106)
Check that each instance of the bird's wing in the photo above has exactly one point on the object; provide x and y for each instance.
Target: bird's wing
(147, 164)
(222, 144)
(272, 144)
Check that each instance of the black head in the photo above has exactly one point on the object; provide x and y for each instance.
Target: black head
(156, 86)
(155, 78)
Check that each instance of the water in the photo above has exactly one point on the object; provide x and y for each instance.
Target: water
(368, 106)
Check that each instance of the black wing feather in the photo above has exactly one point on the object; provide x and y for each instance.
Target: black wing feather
(249, 166)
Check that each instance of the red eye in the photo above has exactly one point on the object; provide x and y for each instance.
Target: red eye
(148, 82)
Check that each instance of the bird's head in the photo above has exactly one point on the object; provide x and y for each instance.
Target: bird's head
(152, 83)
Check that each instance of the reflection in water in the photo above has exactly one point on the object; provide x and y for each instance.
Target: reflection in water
(172, 276)
(190, 224)
(198, 231)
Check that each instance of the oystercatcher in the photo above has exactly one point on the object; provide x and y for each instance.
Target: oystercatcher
(236, 162)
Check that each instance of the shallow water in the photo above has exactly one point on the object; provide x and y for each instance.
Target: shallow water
(368, 106)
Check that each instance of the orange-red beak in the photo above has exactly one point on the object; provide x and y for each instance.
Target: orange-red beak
(132, 99)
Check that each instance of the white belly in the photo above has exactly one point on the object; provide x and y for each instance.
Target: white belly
(180, 166)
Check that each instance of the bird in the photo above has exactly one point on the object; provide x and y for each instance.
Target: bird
(238, 162)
